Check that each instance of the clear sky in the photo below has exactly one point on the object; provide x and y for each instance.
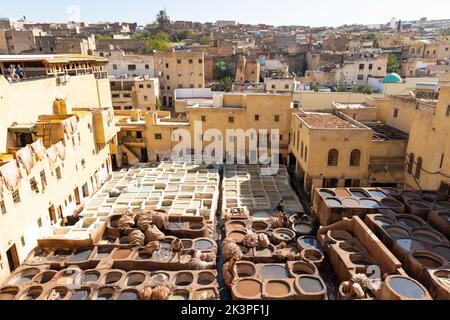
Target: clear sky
(281, 12)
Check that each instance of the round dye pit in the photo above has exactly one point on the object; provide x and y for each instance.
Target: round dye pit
(443, 251)
(159, 279)
(312, 255)
(358, 193)
(310, 284)
(383, 221)
(90, 277)
(428, 260)
(427, 236)
(377, 194)
(105, 293)
(245, 270)
(8, 293)
(309, 242)
(128, 295)
(302, 268)
(203, 245)
(135, 279)
(45, 277)
(82, 294)
(23, 276)
(397, 233)
(350, 203)
(31, 293)
(406, 287)
(179, 295)
(338, 235)
(121, 254)
(61, 255)
(248, 288)
(103, 253)
(327, 193)
(275, 272)
(80, 255)
(184, 279)
(113, 277)
(206, 278)
(410, 245)
(333, 202)
(278, 289)
(195, 225)
(236, 225)
(369, 203)
(283, 234)
(259, 226)
(303, 228)
(410, 221)
(237, 236)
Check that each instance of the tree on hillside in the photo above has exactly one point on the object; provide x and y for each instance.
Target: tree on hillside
(184, 34)
(158, 43)
(163, 21)
(205, 40)
(393, 64)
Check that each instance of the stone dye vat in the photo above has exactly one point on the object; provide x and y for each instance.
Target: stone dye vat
(423, 251)
(113, 284)
(292, 281)
(357, 254)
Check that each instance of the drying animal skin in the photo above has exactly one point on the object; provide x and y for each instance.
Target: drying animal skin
(230, 249)
(154, 234)
(126, 221)
(151, 247)
(202, 261)
(137, 238)
(256, 240)
(159, 293)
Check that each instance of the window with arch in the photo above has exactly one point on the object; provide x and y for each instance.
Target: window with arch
(410, 163)
(333, 157)
(419, 167)
(355, 158)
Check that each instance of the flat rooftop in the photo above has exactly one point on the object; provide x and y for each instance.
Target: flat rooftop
(383, 132)
(326, 121)
(352, 106)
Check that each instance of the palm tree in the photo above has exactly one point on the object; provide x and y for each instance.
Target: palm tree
(227, 84)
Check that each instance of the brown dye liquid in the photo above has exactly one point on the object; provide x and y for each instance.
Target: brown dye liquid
(277, 289)
(7, 296)
(342, 193)
(237, 236)
(428, 262)
(121, 254)
(248, 288)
